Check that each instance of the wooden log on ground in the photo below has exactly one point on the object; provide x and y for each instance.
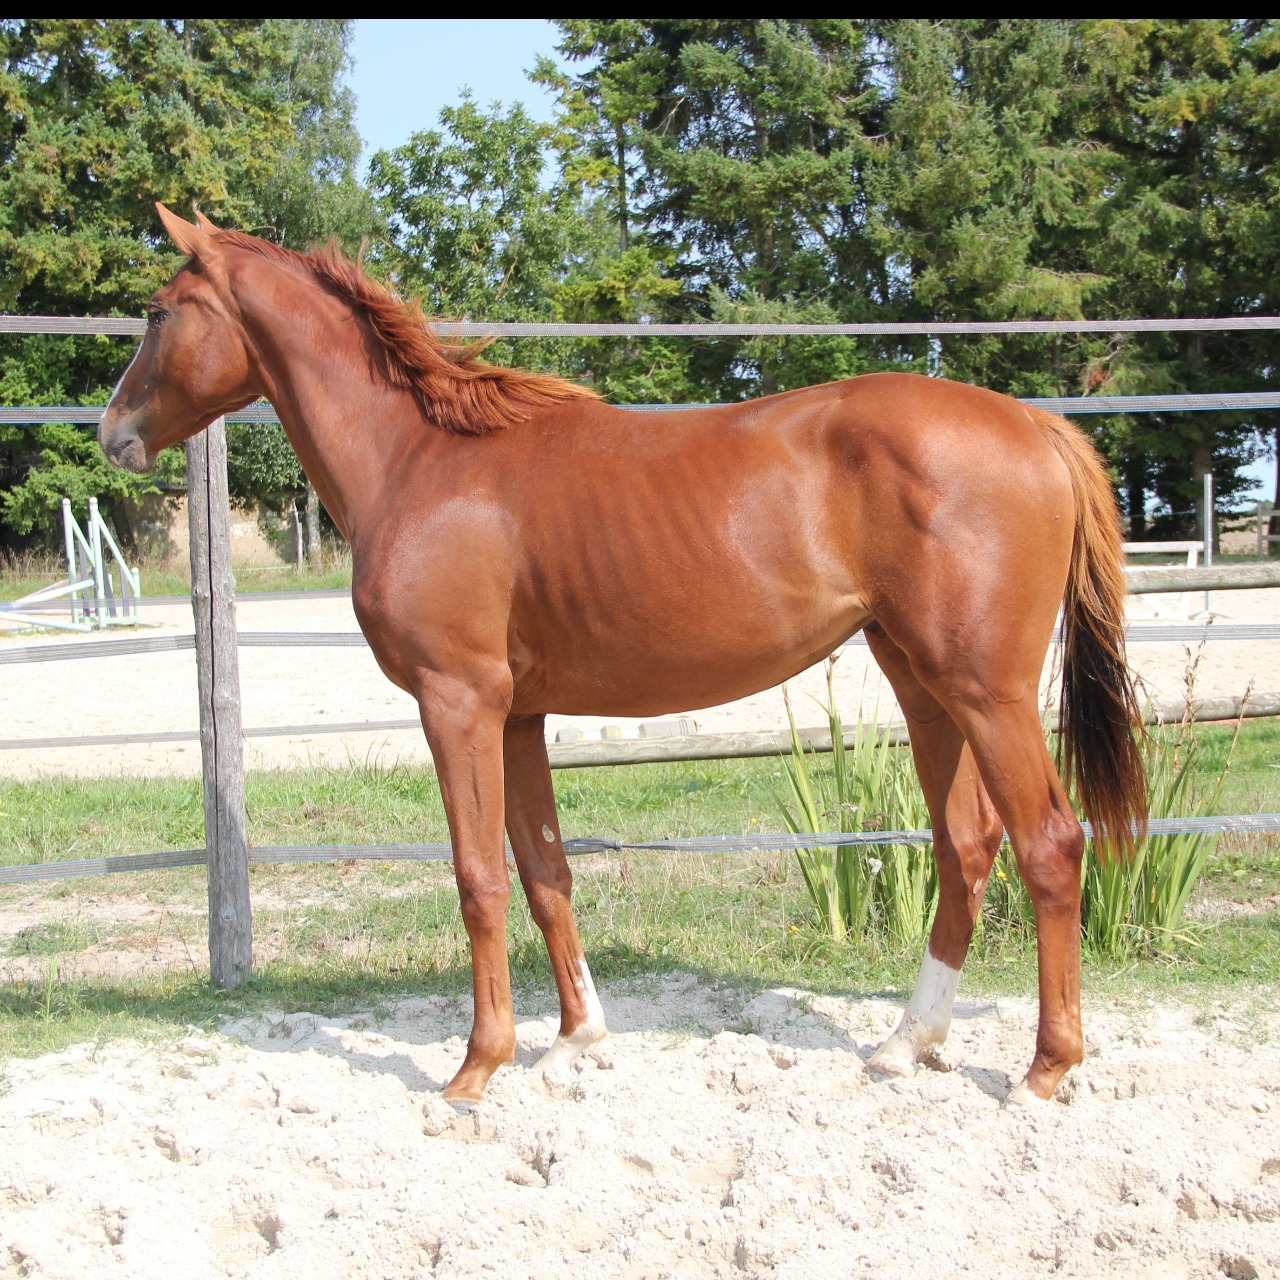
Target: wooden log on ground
(1208, 709)
(1215, 577)
(213, 604)
(741, 746)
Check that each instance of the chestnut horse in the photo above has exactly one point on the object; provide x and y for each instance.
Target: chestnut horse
(520, 548)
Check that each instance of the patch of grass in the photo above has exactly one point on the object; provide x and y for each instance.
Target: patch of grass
(58, 937)
(51, 819)
(1251, 782)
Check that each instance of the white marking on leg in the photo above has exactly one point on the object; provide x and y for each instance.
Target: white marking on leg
(566, 1048)
(1021, 1096)
(925, 1021)
(547, 834)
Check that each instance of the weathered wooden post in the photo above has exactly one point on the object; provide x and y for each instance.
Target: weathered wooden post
(213, 602)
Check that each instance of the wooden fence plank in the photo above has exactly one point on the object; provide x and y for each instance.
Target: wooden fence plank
(213, 604)
(1144, 580)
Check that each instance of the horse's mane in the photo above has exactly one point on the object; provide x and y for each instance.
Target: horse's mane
(453, 388)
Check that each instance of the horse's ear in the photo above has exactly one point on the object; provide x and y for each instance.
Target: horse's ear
(206, 224)
(192, 240)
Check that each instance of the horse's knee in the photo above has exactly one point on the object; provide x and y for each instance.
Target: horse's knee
(483, 895)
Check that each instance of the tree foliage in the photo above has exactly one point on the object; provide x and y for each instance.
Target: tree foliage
(984, 169)
(246, 119)
(821, 170)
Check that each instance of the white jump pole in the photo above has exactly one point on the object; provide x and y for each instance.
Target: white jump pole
(72, 568)
(1208, 533)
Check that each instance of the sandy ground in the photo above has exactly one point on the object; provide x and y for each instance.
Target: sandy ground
(305, 686)
(716, 1133)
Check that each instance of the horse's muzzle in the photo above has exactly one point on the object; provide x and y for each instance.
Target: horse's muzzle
(124, 449)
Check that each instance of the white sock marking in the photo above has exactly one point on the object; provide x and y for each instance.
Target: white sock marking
(595, 1011)
(924, 1022)
(566, 1048)
(1021, 1096)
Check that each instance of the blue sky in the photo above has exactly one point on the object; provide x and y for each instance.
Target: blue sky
(406, 69)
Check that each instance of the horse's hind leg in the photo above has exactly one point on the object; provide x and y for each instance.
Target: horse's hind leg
(1008, 745)
(991, 697)
(966, 836)
(535, 840)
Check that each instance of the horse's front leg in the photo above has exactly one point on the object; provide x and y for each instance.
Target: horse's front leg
(463, 720)
(544, 872)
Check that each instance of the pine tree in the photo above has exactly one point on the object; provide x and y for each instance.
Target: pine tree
(737, 144)
(1184, 107)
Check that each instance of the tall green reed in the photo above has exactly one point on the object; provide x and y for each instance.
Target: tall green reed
(886, 889)
(1138, 904)
(1130, 905)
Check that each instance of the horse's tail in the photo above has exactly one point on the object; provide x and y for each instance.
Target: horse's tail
(1099, 722)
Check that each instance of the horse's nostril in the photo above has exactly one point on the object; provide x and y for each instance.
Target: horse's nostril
(127, 452)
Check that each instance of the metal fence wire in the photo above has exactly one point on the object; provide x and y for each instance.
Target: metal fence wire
(755, 842)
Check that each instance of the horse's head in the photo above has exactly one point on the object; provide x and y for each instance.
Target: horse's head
(194, 363)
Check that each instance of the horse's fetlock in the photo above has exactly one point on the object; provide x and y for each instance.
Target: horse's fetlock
(491, 1046)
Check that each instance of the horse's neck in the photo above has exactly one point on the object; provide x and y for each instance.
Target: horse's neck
(350, 430)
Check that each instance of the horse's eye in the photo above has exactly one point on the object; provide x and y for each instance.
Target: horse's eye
(156, 314)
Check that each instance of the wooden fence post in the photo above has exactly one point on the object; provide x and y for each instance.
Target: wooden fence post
(213, 602)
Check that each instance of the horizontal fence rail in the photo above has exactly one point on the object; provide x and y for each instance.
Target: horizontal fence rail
(756, 842)
(130, 326)
(1155, 580)
(244, 597)
(1140, 580)
(1074, 405)
(1135, 633)
(90, 415)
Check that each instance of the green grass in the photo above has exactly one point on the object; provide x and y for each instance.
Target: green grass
(52, 939)
(333, 937)
(366, 803)
(175, 580)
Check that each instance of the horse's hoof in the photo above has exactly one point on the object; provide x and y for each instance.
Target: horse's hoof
(566, 1050)
(463, 1095)
(1022, 1095)
(893, 1059)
